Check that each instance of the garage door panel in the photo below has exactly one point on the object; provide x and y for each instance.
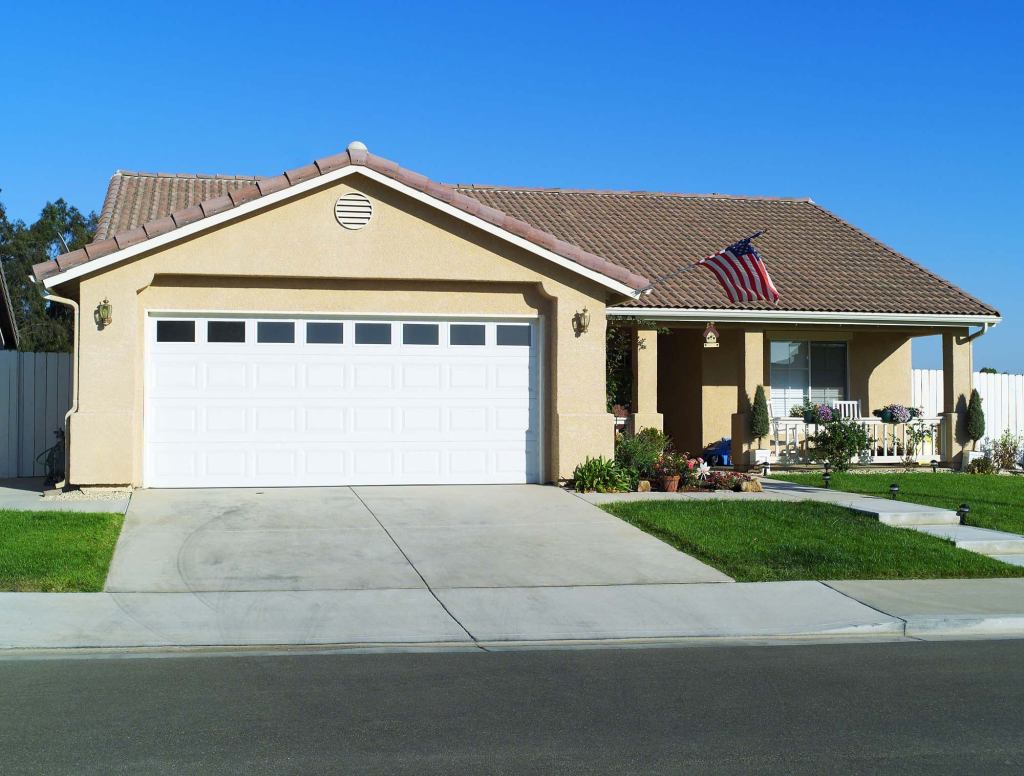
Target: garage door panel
(257, 414)
(225, 377)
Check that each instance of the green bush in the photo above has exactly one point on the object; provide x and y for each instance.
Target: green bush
(981, 466)
(838, 443)
(1006, 451)
(638, 454)
(759, 421)
(975, 417)
(599, 474)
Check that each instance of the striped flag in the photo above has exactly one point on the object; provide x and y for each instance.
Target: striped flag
(741, 272)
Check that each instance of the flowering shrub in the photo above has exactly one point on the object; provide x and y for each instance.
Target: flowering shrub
(669, 465)
(724, 480)
(824, 414)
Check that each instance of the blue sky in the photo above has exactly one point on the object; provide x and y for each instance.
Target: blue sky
(905, 118)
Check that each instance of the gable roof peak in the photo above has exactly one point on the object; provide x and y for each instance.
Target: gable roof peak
(143, 206)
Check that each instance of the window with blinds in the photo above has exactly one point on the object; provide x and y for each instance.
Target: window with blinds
(803, 371)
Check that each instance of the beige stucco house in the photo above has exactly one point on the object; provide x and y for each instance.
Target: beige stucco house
(351, 322)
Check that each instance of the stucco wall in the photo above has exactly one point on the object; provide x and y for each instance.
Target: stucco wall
(698, 388)
(296, 258)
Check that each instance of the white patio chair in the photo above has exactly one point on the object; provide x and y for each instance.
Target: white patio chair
(848, 410)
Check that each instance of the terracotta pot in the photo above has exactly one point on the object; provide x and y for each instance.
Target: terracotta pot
(670, 484)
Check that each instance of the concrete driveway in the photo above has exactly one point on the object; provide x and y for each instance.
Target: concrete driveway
(462, 567)
(384, 538)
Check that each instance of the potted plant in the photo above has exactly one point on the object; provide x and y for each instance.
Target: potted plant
(668, 470)
(760, 425)
(895, 413)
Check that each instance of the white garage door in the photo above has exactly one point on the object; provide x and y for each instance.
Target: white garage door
(340, 401)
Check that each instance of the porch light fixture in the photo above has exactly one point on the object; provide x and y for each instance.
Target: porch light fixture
(963, 511)
(581, 321)
(935, 466)
(893, 490)
(105, 313)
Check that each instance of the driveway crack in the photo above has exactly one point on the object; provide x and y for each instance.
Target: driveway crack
(420, 575)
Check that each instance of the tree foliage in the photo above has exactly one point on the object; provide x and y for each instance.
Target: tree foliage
(975, 417)
(619, 338)
(759, 420)
(43, 326)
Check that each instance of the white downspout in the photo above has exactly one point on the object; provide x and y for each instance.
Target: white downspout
(980, 333)
(51, 297)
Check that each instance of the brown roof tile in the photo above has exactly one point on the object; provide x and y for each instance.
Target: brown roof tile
(625, 235)
(818, 261)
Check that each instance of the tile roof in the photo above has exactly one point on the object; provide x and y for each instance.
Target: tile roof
(818, 261)
(141, 206)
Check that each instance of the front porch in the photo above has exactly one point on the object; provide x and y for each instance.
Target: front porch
(702, 392)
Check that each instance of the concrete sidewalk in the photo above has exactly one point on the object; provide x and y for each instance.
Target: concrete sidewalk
(509, 617)
(26, 494)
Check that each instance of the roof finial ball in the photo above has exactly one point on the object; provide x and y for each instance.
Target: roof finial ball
(357, 145)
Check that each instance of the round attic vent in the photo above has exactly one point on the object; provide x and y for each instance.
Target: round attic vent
(353, 210)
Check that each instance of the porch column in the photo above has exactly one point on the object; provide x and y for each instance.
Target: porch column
(957, 381)
(749, 375)
(645, 381)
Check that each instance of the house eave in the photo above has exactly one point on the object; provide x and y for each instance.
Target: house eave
(801, 317)
(291, 192)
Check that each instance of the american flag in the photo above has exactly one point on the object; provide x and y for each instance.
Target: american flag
(741, 272)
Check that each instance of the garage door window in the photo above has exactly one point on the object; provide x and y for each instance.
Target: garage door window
(373, 333)
(175, 331)
(467, 333)
(325, 333)
(420, 333)
(225, 331)
(278, 332)
(514, 335)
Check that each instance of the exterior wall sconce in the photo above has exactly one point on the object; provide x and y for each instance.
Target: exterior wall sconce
(105, 313)
(581, 322)
(711, 336)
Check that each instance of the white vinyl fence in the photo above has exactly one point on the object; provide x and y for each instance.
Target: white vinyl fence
(1002, 398)
(35, 394)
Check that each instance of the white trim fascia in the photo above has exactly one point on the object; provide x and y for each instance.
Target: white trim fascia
(791, 317)
(247, 208)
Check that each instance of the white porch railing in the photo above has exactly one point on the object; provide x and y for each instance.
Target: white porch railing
(887, 442)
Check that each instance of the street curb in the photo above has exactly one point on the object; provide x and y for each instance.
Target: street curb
(964, 625)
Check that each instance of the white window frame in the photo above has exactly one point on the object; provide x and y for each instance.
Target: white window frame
(809, 387)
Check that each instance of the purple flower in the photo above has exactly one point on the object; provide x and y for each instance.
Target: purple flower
(825, 414)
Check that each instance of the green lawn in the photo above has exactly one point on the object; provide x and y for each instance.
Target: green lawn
(58, 552)
(995, 501)
(768, 541)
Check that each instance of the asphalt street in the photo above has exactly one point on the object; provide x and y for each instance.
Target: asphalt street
(945, 707)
